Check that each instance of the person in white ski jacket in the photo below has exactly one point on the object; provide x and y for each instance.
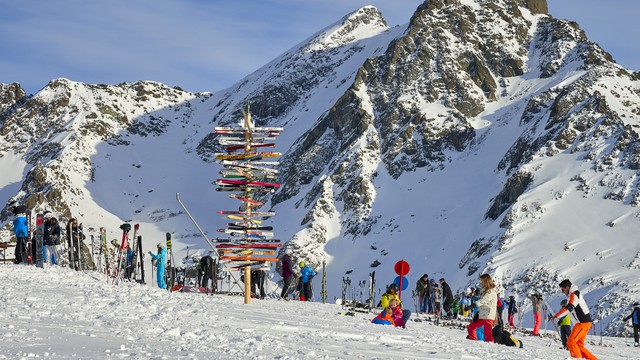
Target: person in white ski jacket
(487, 309)
(579, 308)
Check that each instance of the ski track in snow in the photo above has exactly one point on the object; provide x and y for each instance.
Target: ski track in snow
(58, 313)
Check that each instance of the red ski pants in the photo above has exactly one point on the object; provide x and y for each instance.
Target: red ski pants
(537, 318)
(488, 329)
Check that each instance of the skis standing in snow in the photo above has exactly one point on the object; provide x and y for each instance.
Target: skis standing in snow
(73, 241)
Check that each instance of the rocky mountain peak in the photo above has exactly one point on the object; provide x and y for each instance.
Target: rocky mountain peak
(364, 22)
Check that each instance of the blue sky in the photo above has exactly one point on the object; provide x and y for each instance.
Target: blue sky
(207, 45)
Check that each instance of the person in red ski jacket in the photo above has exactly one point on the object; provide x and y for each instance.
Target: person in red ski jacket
(578, 306)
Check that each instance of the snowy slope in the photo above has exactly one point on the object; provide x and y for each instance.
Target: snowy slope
(63, 314)
(512, 151)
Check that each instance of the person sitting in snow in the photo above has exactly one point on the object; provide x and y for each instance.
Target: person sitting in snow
(384, 318)
(160, 259)
(392, 293)
(635, 319)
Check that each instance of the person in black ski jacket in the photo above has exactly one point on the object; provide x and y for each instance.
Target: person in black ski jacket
(635, 320)
(447, 297)
(51, 239)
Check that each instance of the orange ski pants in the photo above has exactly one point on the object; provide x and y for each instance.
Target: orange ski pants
(575, 342)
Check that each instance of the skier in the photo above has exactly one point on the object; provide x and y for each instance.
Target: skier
(447, 297)
(51, 239)
(390, 294)
(536, 301)
(306, 274)
(578, 306)
(487, 310)
(635, 319)
(511, 310)
(160, 260)
(287, 274)
(423, 292)
(21, 230)
(565, 325)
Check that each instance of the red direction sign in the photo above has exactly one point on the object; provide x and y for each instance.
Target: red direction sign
(402, 268)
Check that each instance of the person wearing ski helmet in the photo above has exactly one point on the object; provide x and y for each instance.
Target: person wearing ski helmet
(160, 259)
(385, 300)
(635, 320)
(306, 274)
(565, 325)
(487, 310)
(577, 306)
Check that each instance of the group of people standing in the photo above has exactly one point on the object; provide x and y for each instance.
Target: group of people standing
(434, 299)
(573, 339)
(51, 239)
(302, 285)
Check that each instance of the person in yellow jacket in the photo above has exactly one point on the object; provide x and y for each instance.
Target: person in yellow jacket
(392, 293)
(565, 325)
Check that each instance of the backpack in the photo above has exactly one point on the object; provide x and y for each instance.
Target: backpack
(504, 337)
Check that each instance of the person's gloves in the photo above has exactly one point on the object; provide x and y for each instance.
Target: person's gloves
(550, 317)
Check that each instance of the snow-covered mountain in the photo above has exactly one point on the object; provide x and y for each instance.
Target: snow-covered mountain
(482, 136)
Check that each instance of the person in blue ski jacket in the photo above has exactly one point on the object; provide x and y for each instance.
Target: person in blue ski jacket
(306, 274)
(160, 260)
(635, 319)
(21, 230)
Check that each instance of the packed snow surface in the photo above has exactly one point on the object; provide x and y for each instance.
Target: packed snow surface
(58, 313)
